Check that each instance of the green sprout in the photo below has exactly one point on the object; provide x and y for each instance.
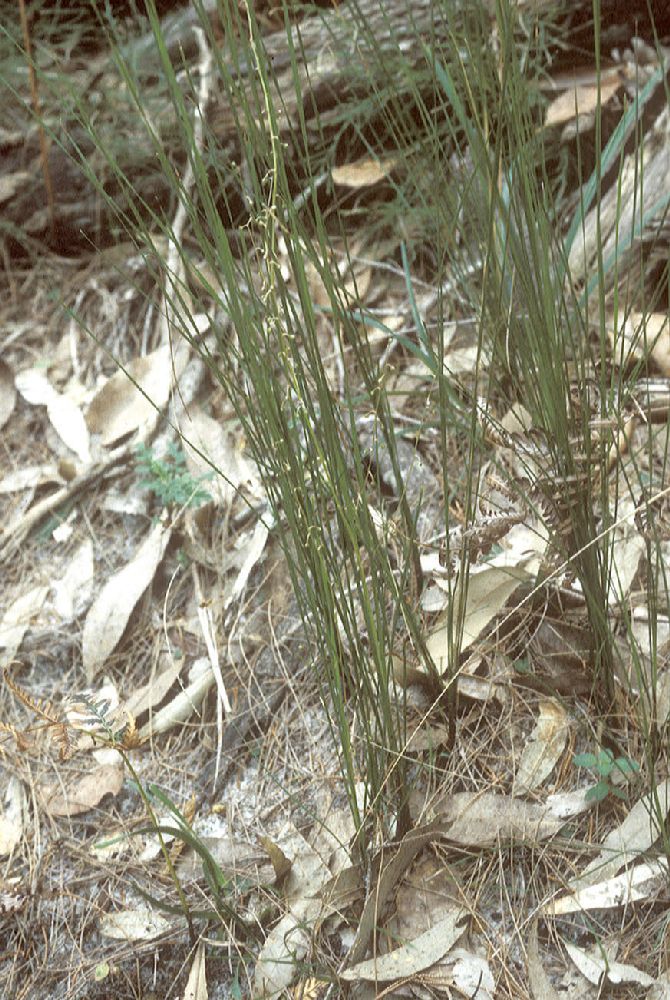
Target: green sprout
(604, 764)
(169, 479)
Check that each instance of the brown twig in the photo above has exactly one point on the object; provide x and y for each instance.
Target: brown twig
(35, 99)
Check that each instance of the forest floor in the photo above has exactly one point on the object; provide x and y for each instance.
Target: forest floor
(158, 676)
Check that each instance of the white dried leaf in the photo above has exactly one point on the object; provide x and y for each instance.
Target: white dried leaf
(413, 957)
(582, 100)
(63, 531)
(64, 414)
(626, 550)
(35, 387)
(645, 333)
(17, 619)
(637, 883)
(153, 842)
(597, 969)
(30, 477)
(196, 987)
(473, 977)
(73, 591)
(12, 816)
(253, 550)
(11, 183)
(68, 422)
(565, 805)
(661, 988)
(108, 617)
(139, 924)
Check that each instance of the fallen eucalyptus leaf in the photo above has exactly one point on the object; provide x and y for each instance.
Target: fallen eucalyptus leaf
(139, 924)
(414, 956)
(108, 617)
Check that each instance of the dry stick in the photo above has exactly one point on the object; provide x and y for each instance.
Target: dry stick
(175, 268)
(35, 99)
(222, 702)
(13, 535)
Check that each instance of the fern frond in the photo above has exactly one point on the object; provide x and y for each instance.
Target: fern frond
(45, 711)
(42, 708)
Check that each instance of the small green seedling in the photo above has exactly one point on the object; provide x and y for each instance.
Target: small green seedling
(169, 479)
(604, 764)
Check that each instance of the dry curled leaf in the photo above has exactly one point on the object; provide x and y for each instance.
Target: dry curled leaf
(488, 590)
(185, 702)
(363, 173)
(285, 948)
(538, 980)
(151, 694)
(29, 477)
(643, 335)
(131, 396)
(7, 393)
(209, 447)
(623, 845)
(544, 747)
(289, 941)
(481, 819)
(83, 792)
(582, 100)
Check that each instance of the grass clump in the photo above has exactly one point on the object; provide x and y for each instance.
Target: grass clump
(300, 359)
